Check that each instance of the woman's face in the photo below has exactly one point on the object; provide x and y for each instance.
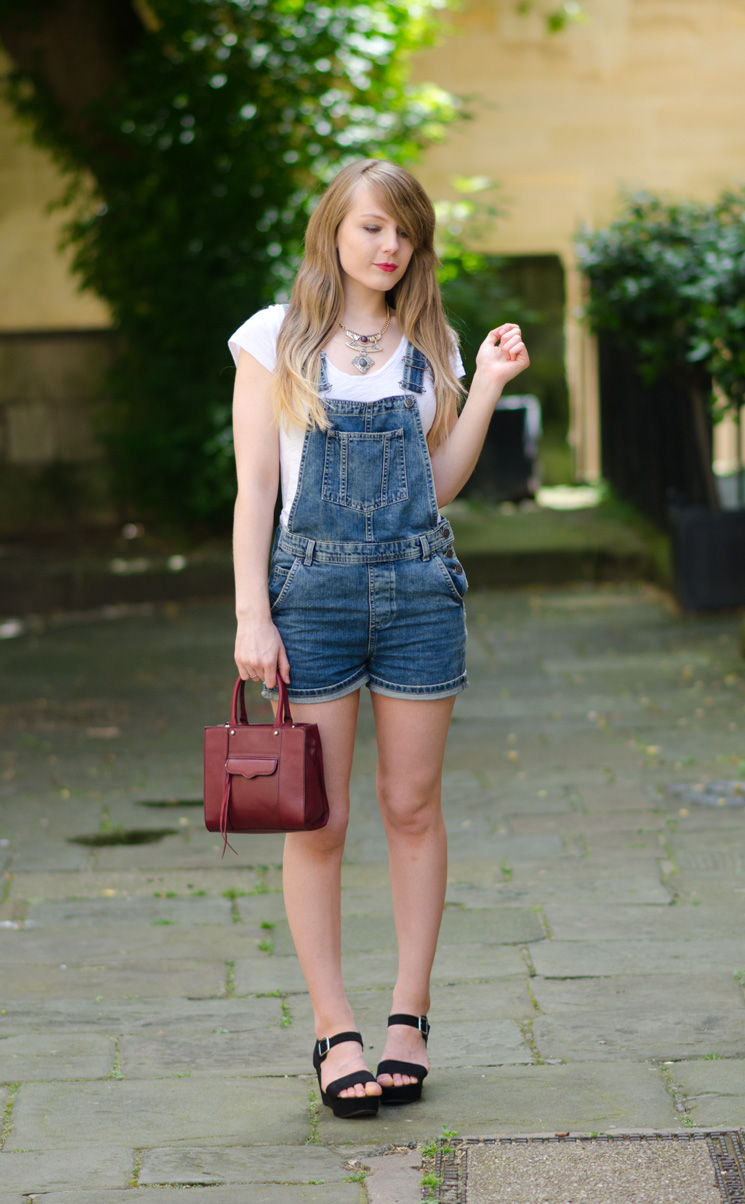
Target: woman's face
(373, 249)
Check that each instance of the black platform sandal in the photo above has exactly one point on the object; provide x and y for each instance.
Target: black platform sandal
(348, 1106)
(408, 1093)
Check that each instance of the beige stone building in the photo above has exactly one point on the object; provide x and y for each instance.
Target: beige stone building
(645, 93)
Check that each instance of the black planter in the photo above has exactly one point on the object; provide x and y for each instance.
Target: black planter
(709, 557)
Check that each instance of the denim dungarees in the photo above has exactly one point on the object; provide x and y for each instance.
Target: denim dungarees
(364, 585)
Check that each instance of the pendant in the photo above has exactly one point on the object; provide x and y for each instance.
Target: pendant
(363, 362)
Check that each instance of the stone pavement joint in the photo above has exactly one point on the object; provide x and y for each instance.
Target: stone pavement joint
(155, 1030)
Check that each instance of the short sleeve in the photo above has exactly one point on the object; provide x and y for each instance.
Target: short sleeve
(259, 336)
(456, 362)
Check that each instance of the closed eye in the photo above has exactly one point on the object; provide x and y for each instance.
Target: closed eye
(376, 229)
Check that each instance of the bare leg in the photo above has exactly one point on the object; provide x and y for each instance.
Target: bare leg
(312, 890)
(411, 737)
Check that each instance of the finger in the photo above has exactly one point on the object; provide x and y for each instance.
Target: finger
(283, 664)
(270, 676)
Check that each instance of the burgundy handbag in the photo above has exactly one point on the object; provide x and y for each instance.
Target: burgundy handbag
(263, 777)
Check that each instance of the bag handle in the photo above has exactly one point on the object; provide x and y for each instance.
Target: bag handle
(284, 715)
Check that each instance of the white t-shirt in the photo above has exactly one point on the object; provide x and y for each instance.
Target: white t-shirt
(259, 336)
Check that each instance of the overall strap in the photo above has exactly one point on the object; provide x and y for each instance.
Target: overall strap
(415, 365)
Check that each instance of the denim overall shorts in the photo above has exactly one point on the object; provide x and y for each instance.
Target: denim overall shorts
(364, 584)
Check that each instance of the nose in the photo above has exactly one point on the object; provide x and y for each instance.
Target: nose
(391, 241)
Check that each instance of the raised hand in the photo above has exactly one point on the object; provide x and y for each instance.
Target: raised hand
(502, 356)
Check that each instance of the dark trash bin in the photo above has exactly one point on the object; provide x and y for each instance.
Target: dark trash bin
(507, 468)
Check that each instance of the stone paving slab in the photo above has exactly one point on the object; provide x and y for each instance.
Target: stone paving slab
(160, 940)
(185, 1112)
(703, 992)
(138, 979)
(84, 1169)
(217, 1055)
(569, 922)
(85, 912)
(41, 1057)
(113, 1016)
(714, 1091)
(647, 890)
(203, 851)
(464, 963)
(324, 1193)
(680, 1031)
(488, 926)
(628, 824)
(520, 1099)
(209, 1166)
(592, 868)
(583, 959)
(92, 884)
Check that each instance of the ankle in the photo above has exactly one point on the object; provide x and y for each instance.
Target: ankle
(331, 1024)
(403, 1006)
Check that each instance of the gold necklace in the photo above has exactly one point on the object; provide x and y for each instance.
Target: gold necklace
(366, 344)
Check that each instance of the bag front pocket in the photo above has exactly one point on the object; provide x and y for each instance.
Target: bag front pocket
(364, 470)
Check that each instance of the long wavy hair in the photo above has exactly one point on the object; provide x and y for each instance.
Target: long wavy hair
(317, 300)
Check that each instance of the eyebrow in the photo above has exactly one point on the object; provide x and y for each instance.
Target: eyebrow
(378, 216)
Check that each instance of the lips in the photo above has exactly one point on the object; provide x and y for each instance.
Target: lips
(387, 267)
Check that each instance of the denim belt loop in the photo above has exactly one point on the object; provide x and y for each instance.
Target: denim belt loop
(426, 551)
(309, 549)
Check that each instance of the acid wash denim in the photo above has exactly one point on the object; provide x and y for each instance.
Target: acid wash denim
(364, 584)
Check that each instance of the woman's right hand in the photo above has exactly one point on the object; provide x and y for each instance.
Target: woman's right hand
(260, 653)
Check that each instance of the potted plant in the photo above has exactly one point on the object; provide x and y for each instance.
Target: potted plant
(667, 298)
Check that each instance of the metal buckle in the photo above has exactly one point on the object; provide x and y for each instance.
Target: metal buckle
(321, 1051)
(423, 1026)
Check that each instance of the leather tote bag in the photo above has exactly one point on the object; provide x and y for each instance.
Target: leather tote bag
(263, 777)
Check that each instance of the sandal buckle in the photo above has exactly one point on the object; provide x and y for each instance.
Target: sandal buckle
(423, 1026)
(320, 1047)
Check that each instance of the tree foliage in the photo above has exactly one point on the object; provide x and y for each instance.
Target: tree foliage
(668, 279)
(193, 173)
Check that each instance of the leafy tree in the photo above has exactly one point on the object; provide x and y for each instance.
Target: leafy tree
(195, 134)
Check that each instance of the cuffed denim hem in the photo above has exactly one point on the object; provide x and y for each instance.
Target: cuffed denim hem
(422, 693)
(328, 694)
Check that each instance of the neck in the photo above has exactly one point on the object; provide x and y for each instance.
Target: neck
(363, 309)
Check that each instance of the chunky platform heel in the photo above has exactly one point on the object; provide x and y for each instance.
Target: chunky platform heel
(409, 1093)
(348, 1106)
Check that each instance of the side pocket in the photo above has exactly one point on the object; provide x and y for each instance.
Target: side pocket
(280, 580)
(453, 572)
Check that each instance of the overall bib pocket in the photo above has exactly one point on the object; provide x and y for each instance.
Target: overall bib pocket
(364, 470)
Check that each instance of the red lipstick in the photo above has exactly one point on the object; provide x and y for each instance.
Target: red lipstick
(387, 267)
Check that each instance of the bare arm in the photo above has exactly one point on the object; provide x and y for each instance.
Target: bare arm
(502, 356)
(259, 651)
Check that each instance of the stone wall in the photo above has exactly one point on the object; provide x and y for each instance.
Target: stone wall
(52, 464)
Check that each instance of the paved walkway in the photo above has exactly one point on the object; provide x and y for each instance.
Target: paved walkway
(154, 1028)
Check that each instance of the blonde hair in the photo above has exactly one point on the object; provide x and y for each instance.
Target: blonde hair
(317, 300)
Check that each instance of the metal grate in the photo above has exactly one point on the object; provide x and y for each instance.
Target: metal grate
(726, 1147)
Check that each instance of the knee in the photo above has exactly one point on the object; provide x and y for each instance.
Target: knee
(330, 839)
(409, 809)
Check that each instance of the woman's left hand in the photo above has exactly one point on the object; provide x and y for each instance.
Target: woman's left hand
(502, 356)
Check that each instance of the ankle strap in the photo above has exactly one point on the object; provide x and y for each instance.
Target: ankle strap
(324, 1044)
(420, 1022)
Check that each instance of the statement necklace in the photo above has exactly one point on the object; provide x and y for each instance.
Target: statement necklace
(366, 344)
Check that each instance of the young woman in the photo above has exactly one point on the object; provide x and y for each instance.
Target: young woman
(349, 399)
